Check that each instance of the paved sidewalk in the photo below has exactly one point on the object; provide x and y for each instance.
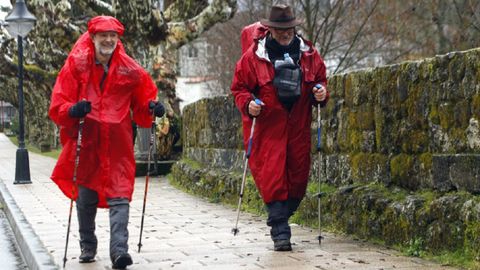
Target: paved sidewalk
(180, 231)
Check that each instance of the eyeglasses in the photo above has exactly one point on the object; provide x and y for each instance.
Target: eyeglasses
(283, 29)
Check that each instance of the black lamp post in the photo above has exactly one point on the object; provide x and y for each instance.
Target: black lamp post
(19, 23)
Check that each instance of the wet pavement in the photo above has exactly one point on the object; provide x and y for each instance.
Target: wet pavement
(10, 257)
(180, 231)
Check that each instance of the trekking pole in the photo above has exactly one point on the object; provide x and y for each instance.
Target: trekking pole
(247, 155)
(75, 167)
(150, 147)
(319, 147)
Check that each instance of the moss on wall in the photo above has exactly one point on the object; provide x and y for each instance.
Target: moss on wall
(400, 168)
(476, 106)
(367, 167)
(361, 119)
(445, 114)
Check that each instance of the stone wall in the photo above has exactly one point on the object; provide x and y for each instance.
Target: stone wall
(400, 162)
(406, 123)
(212, 133)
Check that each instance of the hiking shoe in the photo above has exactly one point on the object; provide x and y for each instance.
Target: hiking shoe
(282, 245)
(121, 261)
(87, 255)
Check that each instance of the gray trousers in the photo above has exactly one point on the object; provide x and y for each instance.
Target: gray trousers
(87, 202)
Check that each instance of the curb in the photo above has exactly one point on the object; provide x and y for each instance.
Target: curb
(36, 256)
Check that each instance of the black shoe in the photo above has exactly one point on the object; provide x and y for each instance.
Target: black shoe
(121, 261)
(87, 256)
(282, 245)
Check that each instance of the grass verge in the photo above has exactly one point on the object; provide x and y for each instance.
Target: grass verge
(53, 154)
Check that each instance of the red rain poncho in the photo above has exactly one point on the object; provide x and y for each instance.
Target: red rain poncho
(280, 157)
(107, 163)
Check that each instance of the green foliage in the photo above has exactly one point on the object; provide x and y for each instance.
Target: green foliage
(40, 74)
(457, 258)
(428, 195)
(312, 188)
(392, 193)
(192, 163)
(415, 247)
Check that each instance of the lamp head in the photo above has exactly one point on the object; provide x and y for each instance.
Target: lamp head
(19, 22)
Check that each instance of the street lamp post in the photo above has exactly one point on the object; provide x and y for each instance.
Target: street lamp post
(19, 23)
(2, 127)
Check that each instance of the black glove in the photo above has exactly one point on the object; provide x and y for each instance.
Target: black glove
(157, 108)
(80, 109)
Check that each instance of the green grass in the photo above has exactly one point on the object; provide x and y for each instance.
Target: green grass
(459, 258)
(53, 154)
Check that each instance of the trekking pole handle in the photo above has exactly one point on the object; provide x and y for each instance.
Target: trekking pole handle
(250, 139)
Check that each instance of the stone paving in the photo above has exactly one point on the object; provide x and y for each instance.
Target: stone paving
(180, 231)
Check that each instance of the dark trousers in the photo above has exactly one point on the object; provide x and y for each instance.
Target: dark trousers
(118, 213)
(278, 214)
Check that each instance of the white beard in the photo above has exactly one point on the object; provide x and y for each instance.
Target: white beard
(104, 50)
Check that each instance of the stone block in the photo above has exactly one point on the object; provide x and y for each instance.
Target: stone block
(337, 169)
(465, 172)
(459, 171)
(440, 168)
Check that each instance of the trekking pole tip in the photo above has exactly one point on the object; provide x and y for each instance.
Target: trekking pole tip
(319, 239)
(235, 231)
(139, 247)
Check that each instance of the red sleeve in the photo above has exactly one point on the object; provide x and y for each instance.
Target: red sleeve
(243, 84)
(145, 92)
(65, 93)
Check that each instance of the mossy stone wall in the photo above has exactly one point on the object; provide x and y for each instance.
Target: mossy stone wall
(405, 124)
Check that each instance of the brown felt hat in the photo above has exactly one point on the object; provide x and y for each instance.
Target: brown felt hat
(281, 16)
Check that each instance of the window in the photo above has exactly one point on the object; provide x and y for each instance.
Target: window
(192, 52)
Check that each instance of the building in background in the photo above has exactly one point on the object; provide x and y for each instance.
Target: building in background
(7, 114)
(195, 80)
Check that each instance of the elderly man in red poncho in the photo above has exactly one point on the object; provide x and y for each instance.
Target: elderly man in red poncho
(288, 75)
(101, 84)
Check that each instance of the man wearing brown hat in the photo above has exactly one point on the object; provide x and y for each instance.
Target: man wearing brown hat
(288, 75)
